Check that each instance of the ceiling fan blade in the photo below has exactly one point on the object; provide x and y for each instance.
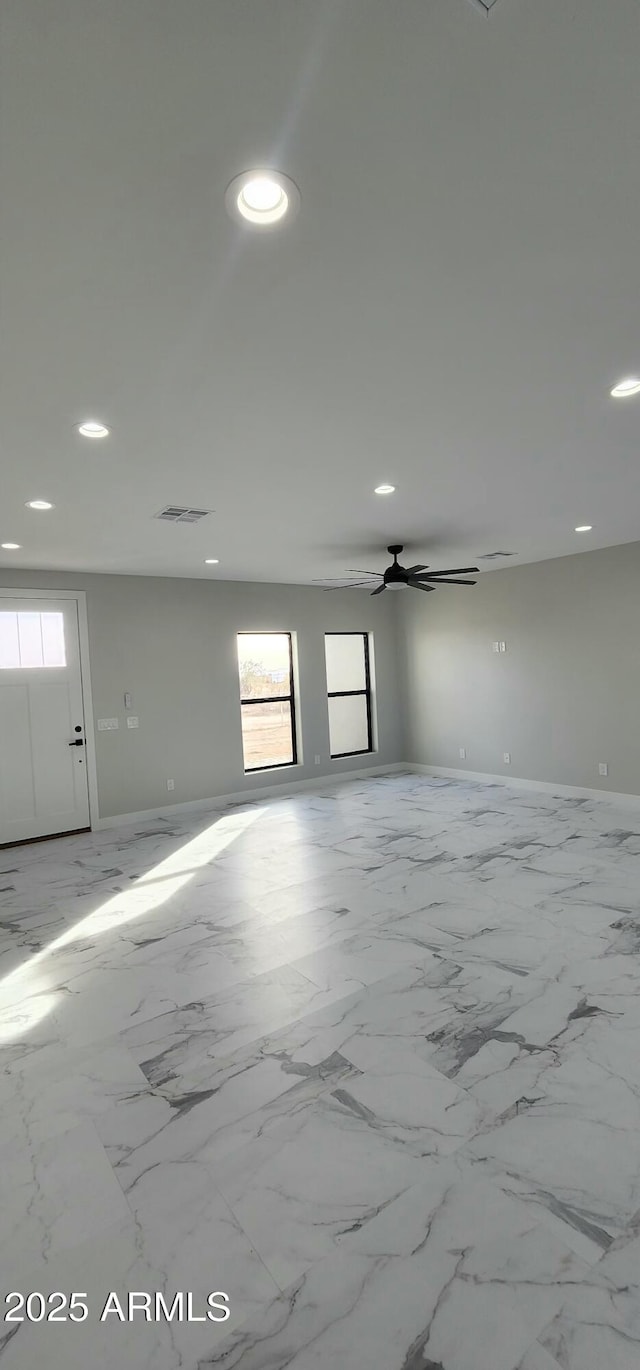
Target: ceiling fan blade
(453, 571)
(412, 570)
(415, 585)
(349, 585)
(445, 580)
(379, 589)
(356, 572)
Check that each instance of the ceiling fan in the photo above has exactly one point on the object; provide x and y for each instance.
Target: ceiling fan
(397, 577)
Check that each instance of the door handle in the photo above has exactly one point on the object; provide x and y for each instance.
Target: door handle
(77, 742)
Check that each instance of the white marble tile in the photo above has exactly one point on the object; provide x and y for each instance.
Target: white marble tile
(128, 1258)
(49, 1092)
(453, 1274)
(242, 1102)
(174, 1042)
(55, 1193)
(361, 960)
(536, 1358)
(596, 1327)
(402, 1097)
(323, 1173)
(328, 1001)
(590, 1166)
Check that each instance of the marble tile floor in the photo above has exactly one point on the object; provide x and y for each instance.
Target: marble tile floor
(366, 1059)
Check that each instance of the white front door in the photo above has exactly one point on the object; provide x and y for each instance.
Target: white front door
(43, 763)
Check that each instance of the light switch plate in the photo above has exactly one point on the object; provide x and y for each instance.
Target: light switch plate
(107, 725)
(127, 700)
(133, 721)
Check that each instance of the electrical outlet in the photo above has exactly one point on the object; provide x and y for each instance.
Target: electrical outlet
(603, 768)
(133, 721)
(506, 757)
(463, 753)
(317, 760)
(171, 785)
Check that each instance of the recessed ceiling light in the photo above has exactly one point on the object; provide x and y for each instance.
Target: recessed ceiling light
(11, 546)
(211, 561)
(584, 528)
(262, 197)
(384, 489)
(629, 386)
(91, 428)
(39, 504)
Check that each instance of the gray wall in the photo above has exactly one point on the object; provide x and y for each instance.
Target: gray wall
(172, 644)
(564, 696)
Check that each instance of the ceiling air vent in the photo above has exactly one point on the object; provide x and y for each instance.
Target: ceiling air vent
(179, 513)
(493, 556)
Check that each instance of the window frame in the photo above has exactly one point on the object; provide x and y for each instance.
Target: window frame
(289, 699)
(346, 694)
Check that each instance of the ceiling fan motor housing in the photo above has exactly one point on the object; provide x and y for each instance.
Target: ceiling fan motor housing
(395, 576)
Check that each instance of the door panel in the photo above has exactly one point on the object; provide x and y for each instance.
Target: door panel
(16, 777)
(43, 781)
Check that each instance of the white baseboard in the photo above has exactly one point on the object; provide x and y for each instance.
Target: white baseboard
(222, 801)
(515, 782)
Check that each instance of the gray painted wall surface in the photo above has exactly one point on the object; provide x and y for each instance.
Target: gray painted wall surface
(171, 643)
(566, 693)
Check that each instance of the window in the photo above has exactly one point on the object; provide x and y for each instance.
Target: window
(28, 640)
(265, 661)
(349, 692)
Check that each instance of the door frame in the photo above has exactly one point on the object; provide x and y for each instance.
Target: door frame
(80, 597)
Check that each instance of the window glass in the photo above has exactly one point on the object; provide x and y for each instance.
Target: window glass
(346, 668)
(266, 700)
(348, 724)
(31, 640)
(349, 693)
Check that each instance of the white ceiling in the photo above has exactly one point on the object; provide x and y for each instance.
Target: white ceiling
(447, 312)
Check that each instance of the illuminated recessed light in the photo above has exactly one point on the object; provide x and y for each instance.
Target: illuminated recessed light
(39, 504)
(584, 528)
(629, 386)
(262, 197)
(384, 489)
(11, 546)
(91, 428)
(211, 561)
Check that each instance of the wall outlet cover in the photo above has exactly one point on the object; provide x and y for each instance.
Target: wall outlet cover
(133, 721)
(603, 768)
(171, 785)
(506, 757)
